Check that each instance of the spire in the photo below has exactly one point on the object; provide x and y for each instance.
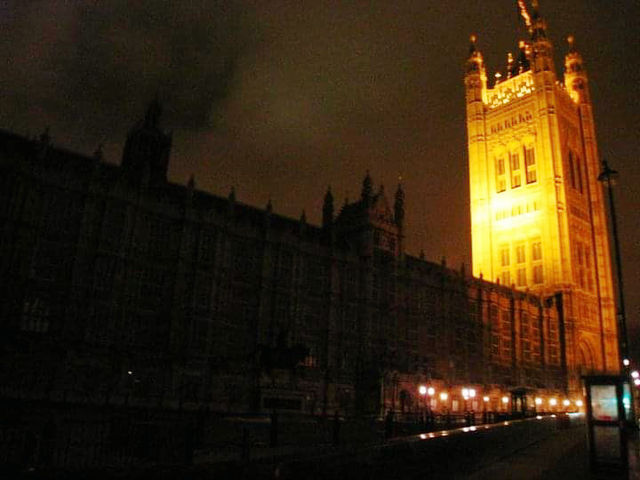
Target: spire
(542, 55)
(575, 75)
(475, 61)
(367, 187)
(327, 208)
(398, 206)
(538, 23)
(523, 57)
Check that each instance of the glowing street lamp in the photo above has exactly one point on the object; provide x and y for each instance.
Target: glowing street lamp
(431, 391)
(485, 399)
(636, 382)
(566, 403)
(635, 374)
(538, 401)
(553, 402)
(422, 390)
(444, 396)
(579, 403)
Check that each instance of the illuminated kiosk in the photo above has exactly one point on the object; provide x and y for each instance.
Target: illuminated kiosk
(608, 402)
(538, 220)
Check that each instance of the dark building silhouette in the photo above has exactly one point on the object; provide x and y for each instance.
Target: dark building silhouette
(121, 287)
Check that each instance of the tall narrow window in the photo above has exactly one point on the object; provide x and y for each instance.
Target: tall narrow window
(536, 250)
(579, 173)
(501, 182)
(530, 165)
(504, 255)
(536, 259)
(520, 254)
(572, 175)
(522, 277)
(537, 274)
(514, 161)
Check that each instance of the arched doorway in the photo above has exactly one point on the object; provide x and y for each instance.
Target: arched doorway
(586, 358)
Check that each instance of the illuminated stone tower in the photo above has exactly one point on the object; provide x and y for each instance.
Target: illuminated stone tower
(537, 213)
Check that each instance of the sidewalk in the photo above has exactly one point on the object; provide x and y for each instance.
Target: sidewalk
(563, 456)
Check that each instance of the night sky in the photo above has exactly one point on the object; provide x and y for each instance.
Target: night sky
(282, 99)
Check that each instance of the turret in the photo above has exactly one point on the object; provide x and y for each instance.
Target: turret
(575, 75)
(147, 147)
(541, 47)
(475, 78)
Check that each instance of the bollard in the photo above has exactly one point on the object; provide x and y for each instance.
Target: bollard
(274, 429)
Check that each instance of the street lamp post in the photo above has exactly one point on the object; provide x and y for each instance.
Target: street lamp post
(423, 393)
(608, 177)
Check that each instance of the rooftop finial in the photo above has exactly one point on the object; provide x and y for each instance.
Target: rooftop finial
(473, 38)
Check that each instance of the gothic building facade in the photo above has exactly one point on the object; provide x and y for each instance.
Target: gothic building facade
(121, 287)
(537, 210)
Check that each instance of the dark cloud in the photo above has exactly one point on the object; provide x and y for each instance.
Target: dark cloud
(282, 98)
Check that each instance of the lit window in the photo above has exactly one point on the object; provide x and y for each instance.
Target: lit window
(537, 274)
(514, 161)
(530, 165)
(501, 183)
(536, 250)
(520, 254)
(504, 256)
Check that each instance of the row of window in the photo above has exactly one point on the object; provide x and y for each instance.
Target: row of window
(582, 265)
(516, 170)
(517, 209)
(528, 263)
